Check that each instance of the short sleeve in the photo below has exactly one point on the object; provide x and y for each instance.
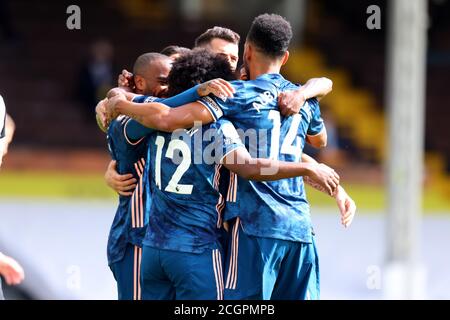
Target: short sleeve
(144, 99)
(316, 124)
(134, 132)
(226, 107)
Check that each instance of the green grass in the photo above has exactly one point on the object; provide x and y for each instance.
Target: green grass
(370, 197)
(57, 185)
(54, 185)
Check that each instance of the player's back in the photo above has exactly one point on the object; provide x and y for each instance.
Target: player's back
(276, 209)
(186, 203)
(129, 221)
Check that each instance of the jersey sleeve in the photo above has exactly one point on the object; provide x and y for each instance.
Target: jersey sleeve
(227, 139)
(2, 117)
(134, 131)
(227, 107)
(180, 99)
(144, 99)
(316, 124)
(121, 130)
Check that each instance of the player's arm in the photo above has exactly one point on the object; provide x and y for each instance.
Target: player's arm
(316, 133)
(3, 130)
(159, 116)
(345, 203)
(100, 115)
(10, 128)
(218, 87)
(11, 270)
(237, 159)
(240, 162)
(117, 91)
(122, 184)
(2, 117)
(134, 131)
(290, 102)
(231, 152)
(318, 140)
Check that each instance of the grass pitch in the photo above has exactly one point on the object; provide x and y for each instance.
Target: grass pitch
(62, 185)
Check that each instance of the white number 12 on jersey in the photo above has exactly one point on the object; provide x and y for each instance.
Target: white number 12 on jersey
(173, 185)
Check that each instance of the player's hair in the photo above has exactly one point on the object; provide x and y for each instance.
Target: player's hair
(171, 50)
(217, 32)
(270, 33)
(195, 67)
(144, 60)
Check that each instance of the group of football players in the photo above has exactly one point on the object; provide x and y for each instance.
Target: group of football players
(208, 162)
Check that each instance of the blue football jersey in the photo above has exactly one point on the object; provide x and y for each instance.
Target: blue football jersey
(274, 209)
(185, 213)
(130, 222)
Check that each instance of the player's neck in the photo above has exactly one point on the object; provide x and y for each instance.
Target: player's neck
(265, 67)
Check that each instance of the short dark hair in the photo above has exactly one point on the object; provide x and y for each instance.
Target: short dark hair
(144, 60)
(171, 50)
(217, 32)
(198, 66)
(271, 33)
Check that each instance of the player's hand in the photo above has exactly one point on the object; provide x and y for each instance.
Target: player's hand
(110, 107)
(114, 92)
(325, 176)
(100, 114)
(122, 184)
(346, 205)
(218, 87)
(290, 102)
(125, 81)
(11, 270)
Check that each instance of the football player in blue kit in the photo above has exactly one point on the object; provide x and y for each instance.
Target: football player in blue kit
(124, 250)
(272, 219)
(223, 41)
(182, 256)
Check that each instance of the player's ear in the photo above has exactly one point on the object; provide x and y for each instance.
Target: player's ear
(247, 51)
(139, 82)
(285, 58)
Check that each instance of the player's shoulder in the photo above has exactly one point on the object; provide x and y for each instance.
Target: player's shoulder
(238, 84)
(117, 125)
(288, 85)
(272, 82)
(144, 99)
(225, 129)
(313, 103)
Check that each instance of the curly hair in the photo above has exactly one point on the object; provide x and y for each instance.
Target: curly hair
(271, 33)
(195, 67)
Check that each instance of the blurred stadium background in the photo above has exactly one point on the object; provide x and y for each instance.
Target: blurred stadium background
(55, 210)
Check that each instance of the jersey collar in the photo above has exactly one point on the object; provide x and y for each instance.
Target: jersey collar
(270, 77)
